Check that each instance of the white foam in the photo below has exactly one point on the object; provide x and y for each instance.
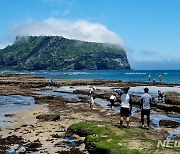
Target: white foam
(135, 73)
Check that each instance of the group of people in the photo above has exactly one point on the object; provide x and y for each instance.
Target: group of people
(160, 78)
(126, 105)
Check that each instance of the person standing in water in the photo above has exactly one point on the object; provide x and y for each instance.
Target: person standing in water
(160, 78)
(149, 77)
(126, 107)
(145, 104)
(92, 97)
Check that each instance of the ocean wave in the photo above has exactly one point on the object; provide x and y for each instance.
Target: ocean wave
(76, 73)
(136, 73)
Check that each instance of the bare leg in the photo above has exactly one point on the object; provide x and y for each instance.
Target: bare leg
(121, 120)
(90, 105)
(127, 120)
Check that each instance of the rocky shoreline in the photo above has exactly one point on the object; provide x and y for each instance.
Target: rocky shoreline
(33, 134)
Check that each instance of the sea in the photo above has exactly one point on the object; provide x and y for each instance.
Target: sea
(168, 76)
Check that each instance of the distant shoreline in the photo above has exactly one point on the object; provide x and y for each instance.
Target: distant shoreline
(168, 77)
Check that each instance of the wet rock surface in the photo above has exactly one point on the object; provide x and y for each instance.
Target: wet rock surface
(48, 117)
(172, 98)
(167, 107)
(5, 143)
(169, 123)
(33, 146)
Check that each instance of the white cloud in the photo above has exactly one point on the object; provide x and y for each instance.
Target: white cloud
(80, 30)
(152, 60)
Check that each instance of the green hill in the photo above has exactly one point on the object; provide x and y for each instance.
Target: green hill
(58, 53)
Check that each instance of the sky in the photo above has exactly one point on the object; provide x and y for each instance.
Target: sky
(149, 30)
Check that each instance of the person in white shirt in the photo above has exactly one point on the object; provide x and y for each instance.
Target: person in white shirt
(92, 97)
(145, 106)
(112, 99)
(126, 106)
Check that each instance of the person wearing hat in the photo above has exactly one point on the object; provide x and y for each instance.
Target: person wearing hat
(145, 105)
(92, 97)
(126, 106)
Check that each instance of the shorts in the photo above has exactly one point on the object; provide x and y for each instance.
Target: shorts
(145, 112)
(125, 112)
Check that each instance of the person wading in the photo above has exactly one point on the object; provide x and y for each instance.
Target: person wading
(145, 104)
(126, 106)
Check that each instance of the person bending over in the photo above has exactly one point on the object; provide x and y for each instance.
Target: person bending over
(145, 105)
(112, 99)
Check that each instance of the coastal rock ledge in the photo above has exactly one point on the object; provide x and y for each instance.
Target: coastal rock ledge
(59, 53)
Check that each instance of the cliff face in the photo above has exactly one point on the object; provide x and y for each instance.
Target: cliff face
(58, 53)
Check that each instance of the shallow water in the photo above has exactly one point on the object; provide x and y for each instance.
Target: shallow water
(106, 104)
(153, 90)
(155, 117)
(102, 102)
(175, 133)
(61, 94)
(71, 141)
(13, 104)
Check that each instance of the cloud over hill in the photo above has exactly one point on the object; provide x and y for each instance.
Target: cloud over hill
(79, 29)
